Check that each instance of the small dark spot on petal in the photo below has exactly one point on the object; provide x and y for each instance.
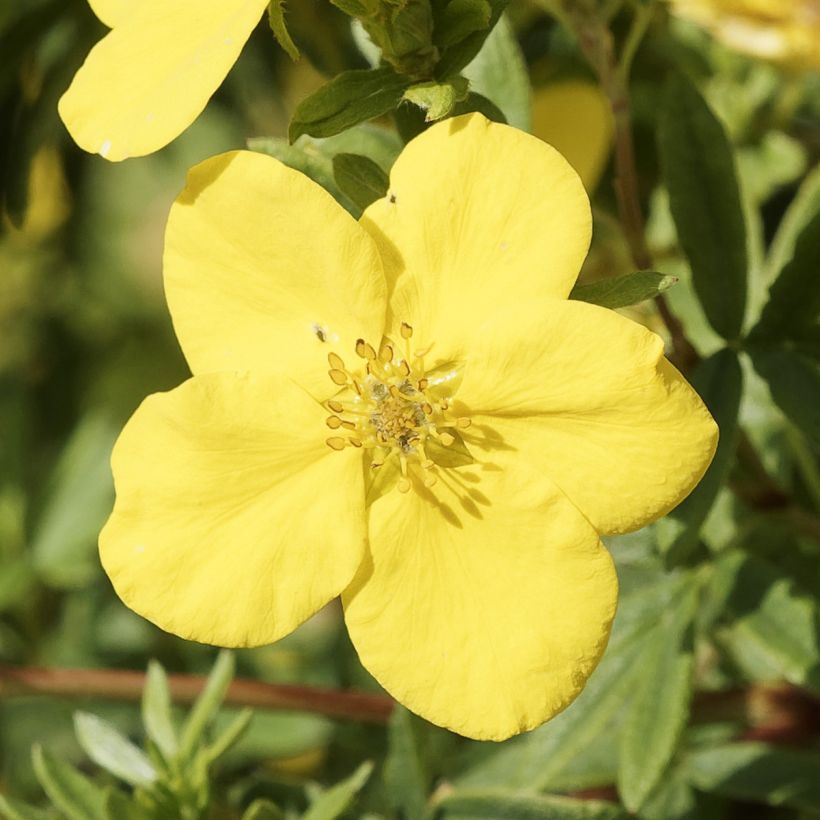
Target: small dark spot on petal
(321, 333)
(392, 199)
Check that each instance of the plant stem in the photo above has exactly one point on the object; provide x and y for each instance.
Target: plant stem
(115, 684)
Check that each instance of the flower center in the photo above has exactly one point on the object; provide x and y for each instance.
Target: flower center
(397, 412)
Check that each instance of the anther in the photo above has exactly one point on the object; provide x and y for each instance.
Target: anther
(406, 330)
(364, 350)
(335, 361)
(386, 354)
(404, 485)
(336, 406)
(463, 423)
(355, 442)
(423, 384)
(404, 368)
(336, 443)
(429, 480)
(333, 422)
(338, 376)
(446, 439)
(348, 425)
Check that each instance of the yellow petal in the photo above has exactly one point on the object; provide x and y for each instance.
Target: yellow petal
(113, 12)
(234, 522)
(264, 271)
(586, 396)
(483, 608)
(574, 117)
(479, 216)
(149, 78)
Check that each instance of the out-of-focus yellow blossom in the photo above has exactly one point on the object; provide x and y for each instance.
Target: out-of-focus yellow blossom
(408, 412)
(785, 31)
(150, 77)
(47, 199)
(575, 118)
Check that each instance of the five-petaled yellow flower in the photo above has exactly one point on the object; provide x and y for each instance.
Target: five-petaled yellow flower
(406, 411)
(150, 77)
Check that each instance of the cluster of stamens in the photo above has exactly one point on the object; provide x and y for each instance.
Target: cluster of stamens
(391, 409)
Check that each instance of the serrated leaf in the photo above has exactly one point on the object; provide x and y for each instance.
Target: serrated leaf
(156, 710)
(501, 805)
(437, 100)
(360, 178)
(115, 753)
(207, 704)
(335, 800)
(623, 291)
(276, 19)
(759, 773)
(699, 172)
(659, 710)
(406, 774)
(348, 99)
(794, 382)
(263, 810)
(499, 73)
(719, 382)
(17, 810)
(70, 791)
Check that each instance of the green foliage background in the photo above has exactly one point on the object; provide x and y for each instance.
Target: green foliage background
(706, 703)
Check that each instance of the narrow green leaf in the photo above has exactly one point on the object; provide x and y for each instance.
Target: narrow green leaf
(794, 381)
(455, 57)
(207, 704)
(17, 810)
(263, 810)
(276, 19)
(348, 99)
(659, 710)
(115, 753)
(229, 735)
(437, 100)
(120, 807)
(719, 382)
(335, 800)
(760, 773)
(794, 297)
(71, 792)
(502, 805)
(406, 774)
(622, 291)
(156, 710)
(499, 73)
(360, 178)
(698, 168)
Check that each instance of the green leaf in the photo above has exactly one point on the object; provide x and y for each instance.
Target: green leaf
(622, 291)
(480, 104)
(263, 810)
(406, 774)
(794, 382)
(156, 710)
(115, 753)
(120, 807)
(360, 178)
(17, 810)
(437, 100)
(760, 773)
(207, 704)
(71, 792)
(229, 735)
(499, 73)
(719, 381)
(501, 805)
(773, 628)
(698, 168)
(455, 57)
(276, 19)
(459, 19)
(794, 297)
(348, 99)
(660, 708)
(335, 800)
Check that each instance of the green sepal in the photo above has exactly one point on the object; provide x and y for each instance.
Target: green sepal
(360, 178)
(622, 291)
(348, 99)
(276, 19)
(437, 100)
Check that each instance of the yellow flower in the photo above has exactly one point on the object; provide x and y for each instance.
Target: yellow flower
(150, 77)
(786, 31)
(408, 412)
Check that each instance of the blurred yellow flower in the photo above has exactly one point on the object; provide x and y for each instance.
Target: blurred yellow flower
(574, 117)
(786, 31)
(150, 77)
(408, 412)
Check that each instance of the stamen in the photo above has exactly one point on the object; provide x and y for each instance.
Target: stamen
(336, 406)
(386, 354)
(406, 330)
(333, 422)
(335, 361)
(336, 443)
(446, 439)
(338, 376)
(463, 422)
